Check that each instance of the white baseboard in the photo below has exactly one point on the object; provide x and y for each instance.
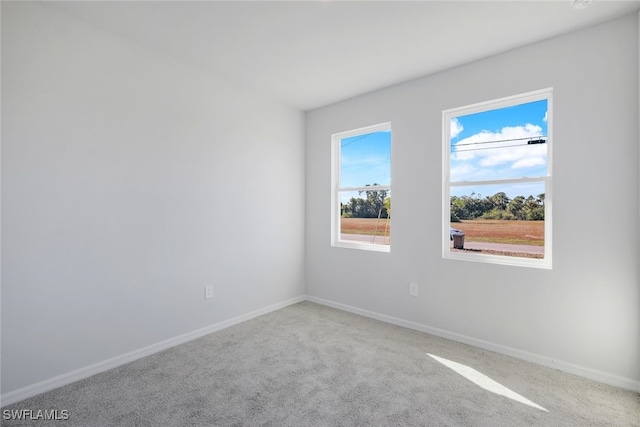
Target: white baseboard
(79, 374)
(592, 374)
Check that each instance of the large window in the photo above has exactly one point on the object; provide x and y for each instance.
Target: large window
(361, 188)
(497, 181)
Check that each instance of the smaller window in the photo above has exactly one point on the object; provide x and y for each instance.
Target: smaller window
(497, 181)
(361, 188)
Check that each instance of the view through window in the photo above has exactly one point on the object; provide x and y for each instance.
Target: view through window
(497, 181)
(362, 188)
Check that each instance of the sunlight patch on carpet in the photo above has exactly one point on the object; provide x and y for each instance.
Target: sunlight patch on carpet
(484, 381)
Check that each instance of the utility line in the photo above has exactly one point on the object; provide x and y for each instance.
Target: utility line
(500, 140)
(354, 140)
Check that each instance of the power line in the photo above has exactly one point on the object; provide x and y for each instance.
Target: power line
(354, 140)
(501, 140)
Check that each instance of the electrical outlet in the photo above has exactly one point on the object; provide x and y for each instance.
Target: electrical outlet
(413, 289)
(208, 292)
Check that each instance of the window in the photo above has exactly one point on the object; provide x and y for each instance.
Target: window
(497, 181)
(361, 188)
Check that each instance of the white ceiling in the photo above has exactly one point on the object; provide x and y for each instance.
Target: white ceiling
(313, 53)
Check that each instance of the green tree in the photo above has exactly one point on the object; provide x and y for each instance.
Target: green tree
(498, 206)
(499, 201)
(458, 209)
(534, 208)
(369, 206)
(515, 207)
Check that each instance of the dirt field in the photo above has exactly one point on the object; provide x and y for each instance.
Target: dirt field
(497, 231)
(501, 231)
(364, 226)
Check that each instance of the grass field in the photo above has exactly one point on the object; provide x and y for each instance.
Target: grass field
(481, 230)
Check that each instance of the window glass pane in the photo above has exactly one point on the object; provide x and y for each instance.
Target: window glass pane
(503, 143)
(500, 219)
(365, 160)
(366, 216)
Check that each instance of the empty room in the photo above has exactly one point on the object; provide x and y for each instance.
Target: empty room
(197, 227)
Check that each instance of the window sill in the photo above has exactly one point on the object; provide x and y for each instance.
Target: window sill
(543, 263)
(361, 246)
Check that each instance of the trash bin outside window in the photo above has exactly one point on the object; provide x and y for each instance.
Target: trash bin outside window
(458, 241)
(458, 238)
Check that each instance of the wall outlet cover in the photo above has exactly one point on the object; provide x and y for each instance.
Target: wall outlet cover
(208, 292)
(413, 289)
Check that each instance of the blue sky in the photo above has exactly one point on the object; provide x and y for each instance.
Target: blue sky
(486, 145)
(493, 145)
(365, 159)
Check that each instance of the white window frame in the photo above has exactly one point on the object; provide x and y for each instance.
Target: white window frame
(447, 115)
(336, 138)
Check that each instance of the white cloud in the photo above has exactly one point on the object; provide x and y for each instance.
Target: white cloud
(456, 128)
(544, 119)
(476, 157)
(462, 172)
(530, 162)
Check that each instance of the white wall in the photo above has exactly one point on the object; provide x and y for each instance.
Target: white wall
(130, 181)
(584, 314)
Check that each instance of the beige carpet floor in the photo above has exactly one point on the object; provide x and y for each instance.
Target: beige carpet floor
(310, 365)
